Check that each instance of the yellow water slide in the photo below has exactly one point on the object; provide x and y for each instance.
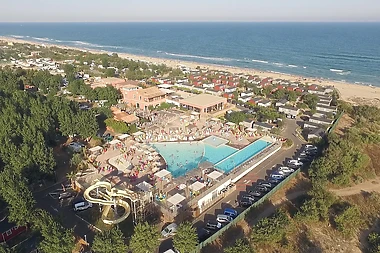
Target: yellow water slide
(108, 196)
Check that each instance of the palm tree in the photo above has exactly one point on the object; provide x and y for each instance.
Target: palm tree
(71, 176)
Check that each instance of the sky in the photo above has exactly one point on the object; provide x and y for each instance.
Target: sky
(189, 10)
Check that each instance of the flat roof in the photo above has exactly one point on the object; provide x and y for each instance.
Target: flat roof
(150, 92)
(203, 100)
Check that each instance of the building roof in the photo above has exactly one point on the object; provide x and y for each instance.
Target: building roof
(326, 106)
(264, 125)
(127, 118)
(290, 108)
(176, 199)
(322, 120)
(150, 92)
(203, 100)
(264, 101)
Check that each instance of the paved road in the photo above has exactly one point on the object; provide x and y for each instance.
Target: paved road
(260, 172)
(47, 200)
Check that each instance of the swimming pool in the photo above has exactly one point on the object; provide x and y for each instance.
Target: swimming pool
(182, 157)
(242, 155)
(185, 156)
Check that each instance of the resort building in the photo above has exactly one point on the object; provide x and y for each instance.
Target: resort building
(204, 103)
(326, 108)
(144, 98)
(289, 111)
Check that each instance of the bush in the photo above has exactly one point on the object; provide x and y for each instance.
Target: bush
(271, 229)
(240, 246)
(117, 126)
(288, 143)
(374, 242)
(348, 221)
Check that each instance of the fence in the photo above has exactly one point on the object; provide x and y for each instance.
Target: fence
(335, 123)
(244, 213)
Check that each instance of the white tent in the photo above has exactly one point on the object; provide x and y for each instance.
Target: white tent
(230, 124)
(138, 133)
(197, 186)
(215, 119)
(176, 199)
(214, 175)
(162, 173)
(95, 149)
(113, 142)
(144, 186)
(123, 136)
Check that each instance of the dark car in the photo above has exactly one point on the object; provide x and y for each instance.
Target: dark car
(213, 225)
(274, 181)
(203, 234)
(249, 197)
(244, 202)
(261, 188)
(255, 193)
(266, 184)
(305, 159)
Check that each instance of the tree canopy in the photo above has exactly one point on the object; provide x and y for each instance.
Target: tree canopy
(111, 241)
(236, 117)
(186, 238)
(145, 238)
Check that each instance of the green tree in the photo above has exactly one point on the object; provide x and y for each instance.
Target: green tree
(111, 241)
(311, 100)
(186, 238)
(349, 220)
(117, 126)
(145, 239)
(240, 246)
(110, 72)
(271, 229)
(55, 237)
(374, 242)
(236, 117)
(14, 191)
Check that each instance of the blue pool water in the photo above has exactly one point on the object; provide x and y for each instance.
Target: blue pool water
(242, 155)
(185, 156)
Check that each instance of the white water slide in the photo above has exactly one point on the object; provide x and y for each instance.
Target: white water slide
(108, 196)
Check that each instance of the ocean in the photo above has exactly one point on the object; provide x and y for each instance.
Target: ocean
(339, 51)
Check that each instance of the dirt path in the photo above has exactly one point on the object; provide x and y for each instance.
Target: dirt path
(368, 186)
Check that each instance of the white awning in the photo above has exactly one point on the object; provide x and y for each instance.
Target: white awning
(249, 129)
(144, 186)
(215, 119)
(138, 133)
(113, 142)
(162, 173)
(197, 186)
(176, 199)
(95, 149)
(230, 124)
(214, 175)
(123, 136)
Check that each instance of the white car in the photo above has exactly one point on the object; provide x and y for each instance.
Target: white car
(83, 205)
(295, 164)
(170, 230)
(310, 147)
(286, 170)
(75, 147)
(222, 218)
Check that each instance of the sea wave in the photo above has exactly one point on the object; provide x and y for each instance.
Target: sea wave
(88, 44)
(260, 61)
(278, 64)
(337, 70)
(292, 66)
(199, 57)
(17, 36)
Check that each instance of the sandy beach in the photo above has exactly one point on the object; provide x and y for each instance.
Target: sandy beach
(357, 94)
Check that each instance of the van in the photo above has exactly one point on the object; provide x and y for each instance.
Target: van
(222, 218)
(230, 212)
(83, 205)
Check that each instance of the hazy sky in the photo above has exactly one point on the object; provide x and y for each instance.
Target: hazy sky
(188, 10)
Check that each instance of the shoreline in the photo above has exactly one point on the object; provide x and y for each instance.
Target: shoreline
(354, 93)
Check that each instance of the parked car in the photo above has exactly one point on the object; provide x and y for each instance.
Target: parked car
(261, 188)
(266, 184)
(213, 225)
(231, 212)
(170, 230)
(222, 218)
(305, 159)
(294, 164)
(65, 195)
(203, 234)
(277, 176)
(286, 170)
(75, 147)
(274, 181)
(310, 147)
(255, 193)
(244, 202)
(82, 205)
